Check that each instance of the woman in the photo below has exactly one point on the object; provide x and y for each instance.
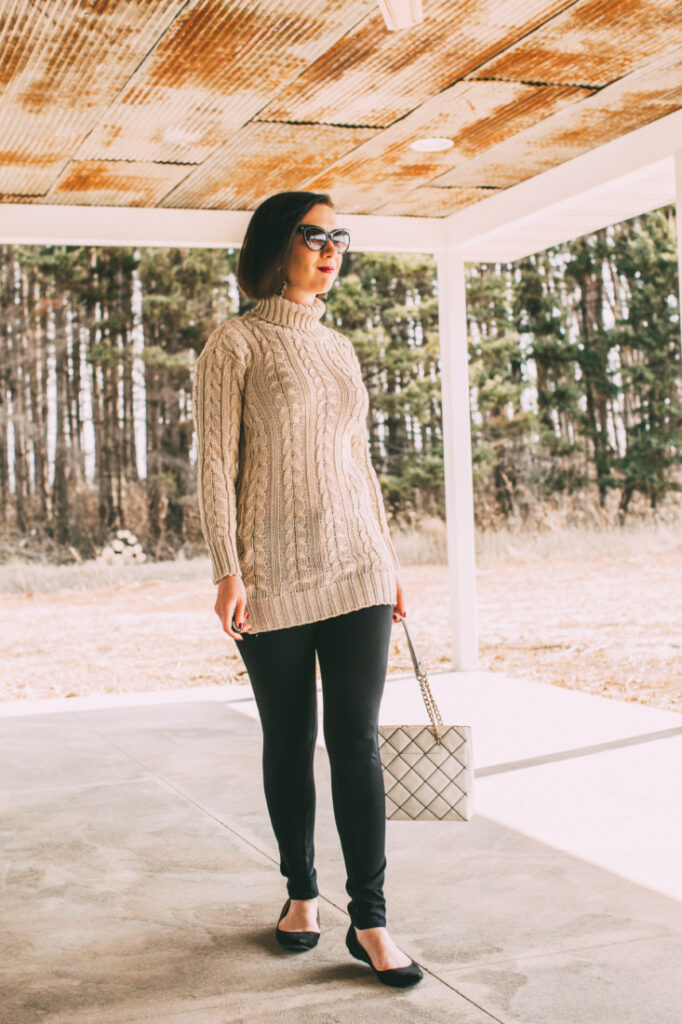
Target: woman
(293, 517)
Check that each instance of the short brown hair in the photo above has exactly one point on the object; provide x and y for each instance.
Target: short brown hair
(266, 248)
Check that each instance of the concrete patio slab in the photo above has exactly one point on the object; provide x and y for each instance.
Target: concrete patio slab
(141, 882)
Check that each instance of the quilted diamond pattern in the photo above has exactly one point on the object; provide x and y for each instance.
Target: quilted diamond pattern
(425, 780)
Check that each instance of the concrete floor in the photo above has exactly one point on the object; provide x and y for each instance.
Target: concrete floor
(140, 877)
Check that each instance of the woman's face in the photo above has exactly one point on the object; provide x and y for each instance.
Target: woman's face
(310, 273)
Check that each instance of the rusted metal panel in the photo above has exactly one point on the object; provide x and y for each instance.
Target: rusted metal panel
(633, 101)
(217, 66)
(146, 80)
(263, 158)
(428, 201)
(215, 104)
(115, 183)
(593, 42)
(473, 114)
(60, 66)
(488, 170)
(372, 77)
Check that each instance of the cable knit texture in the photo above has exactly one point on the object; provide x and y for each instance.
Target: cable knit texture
(288, 496)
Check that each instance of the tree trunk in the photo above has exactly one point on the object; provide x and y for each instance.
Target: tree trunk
(61, 461)
(39, 407)
(17, 392)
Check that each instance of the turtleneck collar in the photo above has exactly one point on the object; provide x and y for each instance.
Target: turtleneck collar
(278, 310)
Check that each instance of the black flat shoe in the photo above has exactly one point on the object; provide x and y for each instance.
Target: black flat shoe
(396, 977)
(297, 942)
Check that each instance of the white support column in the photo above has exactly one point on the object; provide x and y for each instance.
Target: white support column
(678, 218)
(459, 495)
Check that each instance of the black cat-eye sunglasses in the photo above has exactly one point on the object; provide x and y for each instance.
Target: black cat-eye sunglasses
(316, 237)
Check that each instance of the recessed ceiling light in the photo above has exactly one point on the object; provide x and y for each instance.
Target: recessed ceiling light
(432, 145)
(401, 13)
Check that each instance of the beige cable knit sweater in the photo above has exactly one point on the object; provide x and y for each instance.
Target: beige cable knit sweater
(288, 496)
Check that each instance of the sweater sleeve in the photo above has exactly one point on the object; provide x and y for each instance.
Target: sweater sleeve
(217, 396)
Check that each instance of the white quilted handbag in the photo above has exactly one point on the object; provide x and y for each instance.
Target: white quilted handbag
(428, 772)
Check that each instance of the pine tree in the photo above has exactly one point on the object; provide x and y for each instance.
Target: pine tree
(649, 342)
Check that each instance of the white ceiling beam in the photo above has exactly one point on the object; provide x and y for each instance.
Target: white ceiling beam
(400, 14)
(374, 233)
(44, 224)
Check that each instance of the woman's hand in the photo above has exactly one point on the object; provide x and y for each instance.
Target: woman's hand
(399, 605)
(231, 605)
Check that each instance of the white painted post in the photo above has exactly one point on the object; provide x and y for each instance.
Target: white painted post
(678, 218)
(459, 493)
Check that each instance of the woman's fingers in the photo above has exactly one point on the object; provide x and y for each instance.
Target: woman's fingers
(232, 629)
(241, 617)
(399, 605)
(230, 606)
(225, 610)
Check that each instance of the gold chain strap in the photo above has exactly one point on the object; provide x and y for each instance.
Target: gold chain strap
(431, 707)
(420, 672)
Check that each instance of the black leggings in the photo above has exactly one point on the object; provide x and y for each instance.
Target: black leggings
(352, 650)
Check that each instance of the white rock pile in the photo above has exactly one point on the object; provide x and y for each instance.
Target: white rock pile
(122, 549)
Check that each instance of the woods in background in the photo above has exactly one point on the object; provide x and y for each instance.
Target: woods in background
(575, 382)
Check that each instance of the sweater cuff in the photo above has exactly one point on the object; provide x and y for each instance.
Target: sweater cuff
(223, 559)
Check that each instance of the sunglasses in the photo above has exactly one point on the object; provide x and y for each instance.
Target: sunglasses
(316, 238)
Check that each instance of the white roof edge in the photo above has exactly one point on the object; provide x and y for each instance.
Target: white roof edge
(45, 224)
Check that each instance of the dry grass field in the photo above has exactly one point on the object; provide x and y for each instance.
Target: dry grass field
(595, 610)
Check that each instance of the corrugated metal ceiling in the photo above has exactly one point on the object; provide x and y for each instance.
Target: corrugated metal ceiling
(215, 105)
